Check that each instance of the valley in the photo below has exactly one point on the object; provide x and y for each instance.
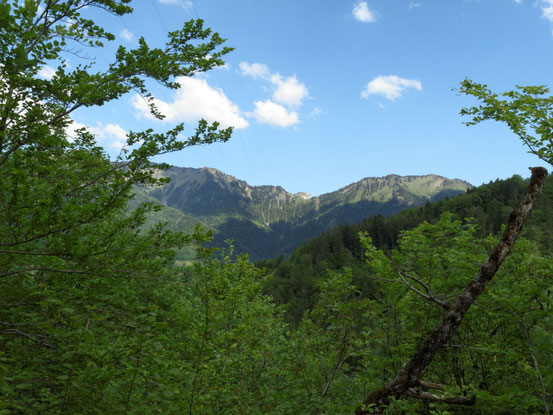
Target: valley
(268, 221)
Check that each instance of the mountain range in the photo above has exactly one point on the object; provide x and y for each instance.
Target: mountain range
(267, 221)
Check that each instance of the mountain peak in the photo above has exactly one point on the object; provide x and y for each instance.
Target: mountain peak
(267, 220)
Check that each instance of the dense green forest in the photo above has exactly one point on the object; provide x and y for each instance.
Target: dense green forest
(294, 281)
(96, 318)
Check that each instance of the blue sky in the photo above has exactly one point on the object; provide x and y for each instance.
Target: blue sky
(326, 92)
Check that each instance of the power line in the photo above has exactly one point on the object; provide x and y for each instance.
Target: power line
(152, 2)
(236, 132)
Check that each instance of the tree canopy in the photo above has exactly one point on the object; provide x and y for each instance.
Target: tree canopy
(96, 318)
(527, 111)
(81, 306)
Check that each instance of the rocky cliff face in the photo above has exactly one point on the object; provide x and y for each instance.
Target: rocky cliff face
(266, 221)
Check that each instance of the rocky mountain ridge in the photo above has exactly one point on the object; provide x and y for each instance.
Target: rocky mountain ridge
(266, 221)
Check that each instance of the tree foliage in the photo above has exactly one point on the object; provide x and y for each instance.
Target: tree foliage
(430, 269)
(527, 111)
(81, 305)
(96, 319)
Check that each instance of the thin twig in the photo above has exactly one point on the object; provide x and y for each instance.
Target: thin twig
(536, 366)
(430, 297)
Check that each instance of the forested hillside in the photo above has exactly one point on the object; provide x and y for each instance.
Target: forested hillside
(266, 221)
(444, 315)
(294, 281)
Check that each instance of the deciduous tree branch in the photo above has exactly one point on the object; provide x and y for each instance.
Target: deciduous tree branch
(339, 363)
(536, 366)
(408, 377)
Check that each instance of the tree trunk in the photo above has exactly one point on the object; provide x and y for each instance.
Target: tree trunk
(409, 376)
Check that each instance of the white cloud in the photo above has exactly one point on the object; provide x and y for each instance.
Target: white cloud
(255, 70)
(518, 1)
(195, 99)
(126, 34)
(288, 94)
(415, 5)
(390, 87)
(71, 130)
(270, 113)
(47, 72)
(110, 135)
(547, 10)
(289, 91)
(116, 135)
(225, 66)
(185, 4)
(362, 12)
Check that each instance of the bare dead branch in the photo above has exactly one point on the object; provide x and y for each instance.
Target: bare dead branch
(429, 296)
(10, 252)
(115, 274)
(432, 385)
(36, 338)
(464, 346)
(427, 396)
